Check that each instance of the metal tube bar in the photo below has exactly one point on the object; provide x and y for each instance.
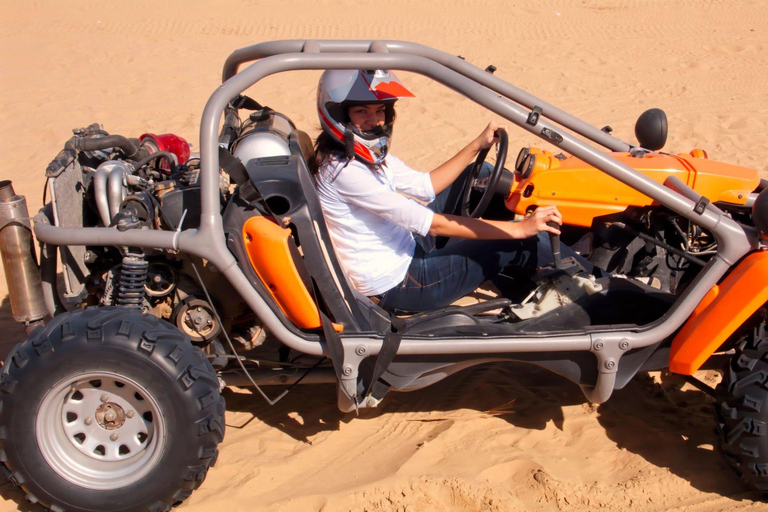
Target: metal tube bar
(115, 191)
(100, 193)
(279, 377)
(55, 235)
(452, 62)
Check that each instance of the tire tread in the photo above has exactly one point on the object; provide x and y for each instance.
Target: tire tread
(150, 338)
(741, 413)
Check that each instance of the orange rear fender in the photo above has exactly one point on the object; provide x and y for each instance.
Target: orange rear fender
(723, 310)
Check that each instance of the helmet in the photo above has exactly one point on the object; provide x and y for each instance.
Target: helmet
(340, 89)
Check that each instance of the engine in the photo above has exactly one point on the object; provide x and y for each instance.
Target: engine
(150, 183)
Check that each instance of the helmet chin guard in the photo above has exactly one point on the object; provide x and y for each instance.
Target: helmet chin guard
(340, 89)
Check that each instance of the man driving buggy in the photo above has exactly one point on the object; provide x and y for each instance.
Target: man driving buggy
(372, 203)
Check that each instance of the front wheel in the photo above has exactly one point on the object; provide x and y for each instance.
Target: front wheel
(109, 409)
(742, 410)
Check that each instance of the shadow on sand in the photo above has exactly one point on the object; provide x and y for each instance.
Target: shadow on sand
(666, 426)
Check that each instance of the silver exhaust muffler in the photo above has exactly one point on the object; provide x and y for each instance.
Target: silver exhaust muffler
(19, 260)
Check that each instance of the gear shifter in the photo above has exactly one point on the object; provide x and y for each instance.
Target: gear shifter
(555, 241)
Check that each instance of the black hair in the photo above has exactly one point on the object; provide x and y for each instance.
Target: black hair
(325, 147)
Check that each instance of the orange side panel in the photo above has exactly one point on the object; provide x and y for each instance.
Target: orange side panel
(583, 193)
(270, 256)
(722, 182)
(720, 313)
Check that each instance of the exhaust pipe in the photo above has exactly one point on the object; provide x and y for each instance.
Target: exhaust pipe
(19, 260)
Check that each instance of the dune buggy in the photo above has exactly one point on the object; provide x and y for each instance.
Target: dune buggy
(185, 273)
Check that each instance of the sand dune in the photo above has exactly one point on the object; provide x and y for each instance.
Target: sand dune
(496, 438)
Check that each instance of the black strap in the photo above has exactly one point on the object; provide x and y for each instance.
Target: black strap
(233, 167)
(349, 144)
(333, 340)
(388, 351)
(330, 336)
(386, 355)
(242, 101)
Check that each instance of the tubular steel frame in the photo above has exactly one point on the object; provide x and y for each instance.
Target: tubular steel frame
(493, 93)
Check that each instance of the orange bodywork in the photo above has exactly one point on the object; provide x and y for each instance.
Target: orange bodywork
(582, 192)
(720, 313)
(269, 252)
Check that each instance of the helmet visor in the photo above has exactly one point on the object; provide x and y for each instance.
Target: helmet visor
(365, 87)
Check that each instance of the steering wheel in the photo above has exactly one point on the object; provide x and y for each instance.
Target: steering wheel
(493, 180)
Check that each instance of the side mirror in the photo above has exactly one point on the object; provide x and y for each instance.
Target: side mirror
(651, 129)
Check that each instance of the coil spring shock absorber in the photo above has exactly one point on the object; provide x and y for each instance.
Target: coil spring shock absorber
(133, 276)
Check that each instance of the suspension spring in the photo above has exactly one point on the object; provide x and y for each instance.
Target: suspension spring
(133, 276)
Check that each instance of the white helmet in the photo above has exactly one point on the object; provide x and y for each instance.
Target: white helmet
(340, 89)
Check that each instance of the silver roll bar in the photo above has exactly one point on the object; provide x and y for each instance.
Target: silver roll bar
(262, 50)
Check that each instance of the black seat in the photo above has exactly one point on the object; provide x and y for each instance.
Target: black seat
(288, 189)
(301, 144)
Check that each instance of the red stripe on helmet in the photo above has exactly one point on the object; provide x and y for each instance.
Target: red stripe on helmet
(363, 152)
(336, 132)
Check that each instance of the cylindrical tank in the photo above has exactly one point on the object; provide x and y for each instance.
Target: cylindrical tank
(19, 261)
(267, 137)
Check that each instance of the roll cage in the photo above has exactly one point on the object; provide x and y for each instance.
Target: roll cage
(596, 352)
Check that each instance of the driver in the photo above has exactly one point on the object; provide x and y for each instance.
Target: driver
(383, 237)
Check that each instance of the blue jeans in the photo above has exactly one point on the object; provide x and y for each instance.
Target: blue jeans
(438, 277)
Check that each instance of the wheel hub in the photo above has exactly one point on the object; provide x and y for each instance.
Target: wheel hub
(100, 421)
(110, 416)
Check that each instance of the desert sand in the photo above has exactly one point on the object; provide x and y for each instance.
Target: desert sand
(495, 438)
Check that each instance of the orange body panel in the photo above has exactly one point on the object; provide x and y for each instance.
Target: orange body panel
(269, 253)
(720, 313)
(582, 192)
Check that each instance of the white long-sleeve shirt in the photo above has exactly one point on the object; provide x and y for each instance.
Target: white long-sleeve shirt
(370, 220)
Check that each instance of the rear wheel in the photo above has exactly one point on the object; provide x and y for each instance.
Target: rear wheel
(742, 411)
(109, 409)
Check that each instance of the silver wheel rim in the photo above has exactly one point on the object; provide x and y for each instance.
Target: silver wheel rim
(100, 430)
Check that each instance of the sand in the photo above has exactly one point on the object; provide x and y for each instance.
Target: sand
(495, 438)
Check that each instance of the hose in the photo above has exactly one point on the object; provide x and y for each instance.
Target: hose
(128, 148)
(166, 155)
(661, 244)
